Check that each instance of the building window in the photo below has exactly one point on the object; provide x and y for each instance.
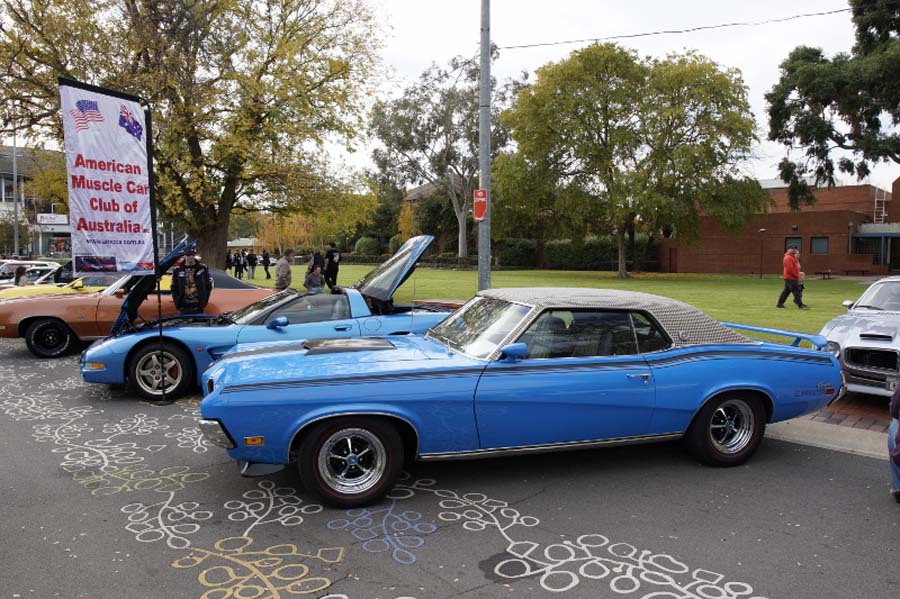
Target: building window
(789, 241)
(818, 245)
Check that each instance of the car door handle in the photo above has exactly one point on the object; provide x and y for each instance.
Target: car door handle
(644, 376)
(342, 327)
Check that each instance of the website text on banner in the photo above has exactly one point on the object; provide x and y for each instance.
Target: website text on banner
(108, 178)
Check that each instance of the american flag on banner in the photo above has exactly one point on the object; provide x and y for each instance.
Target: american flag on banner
(85, 111)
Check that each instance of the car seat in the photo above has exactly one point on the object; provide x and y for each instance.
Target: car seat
(548, 338)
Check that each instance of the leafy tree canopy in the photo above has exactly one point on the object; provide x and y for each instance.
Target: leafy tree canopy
(651, 140)
(840, 113)
(430, 134)
(244, 94)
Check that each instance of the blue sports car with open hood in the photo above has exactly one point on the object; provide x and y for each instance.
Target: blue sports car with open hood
(191, 343)
(513, 370)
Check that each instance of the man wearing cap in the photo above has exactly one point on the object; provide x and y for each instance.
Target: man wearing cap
(191, 284)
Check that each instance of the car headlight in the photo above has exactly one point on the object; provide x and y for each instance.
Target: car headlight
(832, 348)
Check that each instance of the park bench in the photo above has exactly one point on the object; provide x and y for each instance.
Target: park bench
(861, 271)
(826, 274)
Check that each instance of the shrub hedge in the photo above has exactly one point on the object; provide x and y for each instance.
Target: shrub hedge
(368, 246)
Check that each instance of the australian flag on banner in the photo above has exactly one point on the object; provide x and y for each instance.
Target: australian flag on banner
(129, 123)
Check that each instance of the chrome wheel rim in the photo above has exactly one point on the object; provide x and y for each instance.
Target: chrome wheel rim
(352, 461)
(151, 372)
(731, 426)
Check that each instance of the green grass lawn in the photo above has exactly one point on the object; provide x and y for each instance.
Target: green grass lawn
(736, 298)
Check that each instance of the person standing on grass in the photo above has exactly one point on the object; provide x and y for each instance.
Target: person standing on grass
(332, 264)
(266, 262)
(283, 270)
(238, 265)
(252, 261)
(791, 279)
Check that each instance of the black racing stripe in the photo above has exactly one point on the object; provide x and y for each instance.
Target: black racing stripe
(553, 368)
(653, 360)
(352, 380)
(660, 360)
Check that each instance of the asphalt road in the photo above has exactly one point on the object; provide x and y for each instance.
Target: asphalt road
(105, 496)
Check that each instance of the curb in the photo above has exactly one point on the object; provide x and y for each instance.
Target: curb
(830, 436)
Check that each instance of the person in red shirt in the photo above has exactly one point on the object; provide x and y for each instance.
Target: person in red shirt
(791, 279)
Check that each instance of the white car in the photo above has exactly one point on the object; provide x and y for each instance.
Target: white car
(867, 339)
(8, 268)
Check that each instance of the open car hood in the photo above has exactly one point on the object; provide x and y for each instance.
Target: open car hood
(142, 287)
(383, 281)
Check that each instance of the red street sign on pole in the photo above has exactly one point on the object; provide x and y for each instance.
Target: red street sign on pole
(479, 204)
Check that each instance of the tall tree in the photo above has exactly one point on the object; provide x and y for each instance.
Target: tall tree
(430, 134)
(242, 92)
(653, 139)
(842, 112)
(527, 201)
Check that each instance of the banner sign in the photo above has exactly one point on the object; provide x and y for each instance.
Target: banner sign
(108, 171)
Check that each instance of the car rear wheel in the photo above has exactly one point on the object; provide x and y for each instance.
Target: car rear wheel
(728, 430)
(154, 369)
(49, 338)
(350, 462)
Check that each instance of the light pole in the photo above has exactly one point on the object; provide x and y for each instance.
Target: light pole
(15, 199)
(484, 147)
(761, 243)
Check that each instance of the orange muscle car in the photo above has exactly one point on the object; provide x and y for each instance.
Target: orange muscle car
(51, 325)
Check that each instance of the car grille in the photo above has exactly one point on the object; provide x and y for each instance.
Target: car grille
(871, 359)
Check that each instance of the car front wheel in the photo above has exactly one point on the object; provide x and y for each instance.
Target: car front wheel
(728, 430)
(154, 370)
(49, 338)
(350, 462)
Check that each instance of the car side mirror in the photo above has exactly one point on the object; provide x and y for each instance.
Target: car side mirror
(277, 323)
(847, 304)
(513, 352)
(120, 293)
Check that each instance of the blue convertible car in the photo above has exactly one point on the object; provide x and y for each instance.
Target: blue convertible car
(191, 343)
(513, 370)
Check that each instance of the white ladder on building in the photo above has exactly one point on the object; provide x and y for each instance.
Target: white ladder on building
(880, 200)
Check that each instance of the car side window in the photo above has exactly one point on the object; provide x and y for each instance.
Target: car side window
(314, 308)
(580, 334)
(650, 337)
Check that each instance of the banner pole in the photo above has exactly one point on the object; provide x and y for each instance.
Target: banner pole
(156, 266)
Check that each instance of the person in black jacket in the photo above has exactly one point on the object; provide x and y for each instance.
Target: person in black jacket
(252, 261)
(191, 285)
(332, 264)
(266, 262)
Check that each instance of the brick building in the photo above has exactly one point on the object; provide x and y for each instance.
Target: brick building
(850, 229)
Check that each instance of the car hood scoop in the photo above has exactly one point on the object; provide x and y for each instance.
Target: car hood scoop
(877, 336)
(315, 347)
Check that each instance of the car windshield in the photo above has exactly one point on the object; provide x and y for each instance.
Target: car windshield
(248, 314)
(480, 326)
(881, 296)
(379, 281)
